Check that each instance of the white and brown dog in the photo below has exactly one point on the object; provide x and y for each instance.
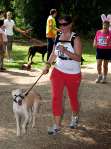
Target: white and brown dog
(25, 107)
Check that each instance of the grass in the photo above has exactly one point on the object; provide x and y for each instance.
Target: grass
(89, 53)
(20, 56)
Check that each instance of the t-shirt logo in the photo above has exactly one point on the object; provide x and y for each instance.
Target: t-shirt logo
(103, 41)
(59, 53)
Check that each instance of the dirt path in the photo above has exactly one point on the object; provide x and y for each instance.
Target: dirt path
(94, 131)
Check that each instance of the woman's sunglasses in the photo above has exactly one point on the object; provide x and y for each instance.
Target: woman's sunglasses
(64, 24)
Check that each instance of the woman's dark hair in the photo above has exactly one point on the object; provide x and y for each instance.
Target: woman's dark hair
(106, 22)
(67, 18)
(1, 22)
(52, 11)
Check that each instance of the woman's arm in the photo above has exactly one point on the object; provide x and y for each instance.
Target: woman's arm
(94, 43)
(95, 40)
(49, 62)
(19, 30)
(1, 39)
(52, 57)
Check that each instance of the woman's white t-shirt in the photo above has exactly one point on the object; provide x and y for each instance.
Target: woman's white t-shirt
(67, 66)
(3, 35)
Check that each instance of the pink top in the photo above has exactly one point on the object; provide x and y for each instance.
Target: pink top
(103, 40)
(3, 35)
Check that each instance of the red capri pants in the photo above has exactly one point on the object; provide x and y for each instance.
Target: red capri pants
(60, 80)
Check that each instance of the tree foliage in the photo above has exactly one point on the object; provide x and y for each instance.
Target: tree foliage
(86, 13)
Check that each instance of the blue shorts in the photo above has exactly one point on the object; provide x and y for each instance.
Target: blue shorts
(103, 54)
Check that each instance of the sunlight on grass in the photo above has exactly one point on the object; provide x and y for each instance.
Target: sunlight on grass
(20, 55)
(89, 53)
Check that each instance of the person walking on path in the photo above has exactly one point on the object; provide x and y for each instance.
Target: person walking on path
(9, 26)
(3, 40)
(66, 73)
(51, 31)
(102, 42)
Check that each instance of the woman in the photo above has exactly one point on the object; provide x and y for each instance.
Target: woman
(66, 73)
(9, 26)
(102, 42)
(3, 41)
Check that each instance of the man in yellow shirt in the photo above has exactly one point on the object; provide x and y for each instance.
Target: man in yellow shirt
(51, 31)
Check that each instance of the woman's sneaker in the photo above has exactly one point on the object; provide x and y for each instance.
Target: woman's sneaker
(53, 130)
(74, 122)
(103, 80)
(98, 80)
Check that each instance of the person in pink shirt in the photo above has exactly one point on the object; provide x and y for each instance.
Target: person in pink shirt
(102, 42)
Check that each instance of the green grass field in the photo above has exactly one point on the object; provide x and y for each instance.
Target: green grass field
(89, 53)
(20, 56)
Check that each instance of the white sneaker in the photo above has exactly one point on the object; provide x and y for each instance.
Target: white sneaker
(53, 130)
(74, 122)
(98, 80)
(103, 80)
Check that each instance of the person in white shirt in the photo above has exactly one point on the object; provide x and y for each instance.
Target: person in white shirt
(66, 73)
(9, 26)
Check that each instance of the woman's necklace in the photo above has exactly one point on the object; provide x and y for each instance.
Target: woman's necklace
(65, 36)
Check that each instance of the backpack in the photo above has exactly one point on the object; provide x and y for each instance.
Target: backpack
(72, 39)
(72, 42)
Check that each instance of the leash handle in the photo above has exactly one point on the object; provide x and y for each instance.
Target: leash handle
(33, 85)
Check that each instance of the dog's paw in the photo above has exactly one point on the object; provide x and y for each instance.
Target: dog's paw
(23, 130)
(33, 125)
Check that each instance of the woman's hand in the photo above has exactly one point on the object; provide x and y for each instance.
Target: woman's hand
(94, 43)
(46, 68)
(62, 48)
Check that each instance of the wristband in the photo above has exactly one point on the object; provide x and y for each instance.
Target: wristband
(48, 64)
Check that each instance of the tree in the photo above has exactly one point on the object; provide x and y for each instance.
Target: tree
(86, 13)
(6, 5)
(35, 13)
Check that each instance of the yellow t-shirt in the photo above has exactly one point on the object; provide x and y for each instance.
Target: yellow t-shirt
(51, 30)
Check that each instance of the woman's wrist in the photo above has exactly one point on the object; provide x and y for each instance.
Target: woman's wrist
(48, 64)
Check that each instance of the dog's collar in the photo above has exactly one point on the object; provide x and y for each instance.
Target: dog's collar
(22, 97)
(15, 100)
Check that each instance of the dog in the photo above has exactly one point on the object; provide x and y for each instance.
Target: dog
(42, 49)
(26, 66)
(25, 107)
